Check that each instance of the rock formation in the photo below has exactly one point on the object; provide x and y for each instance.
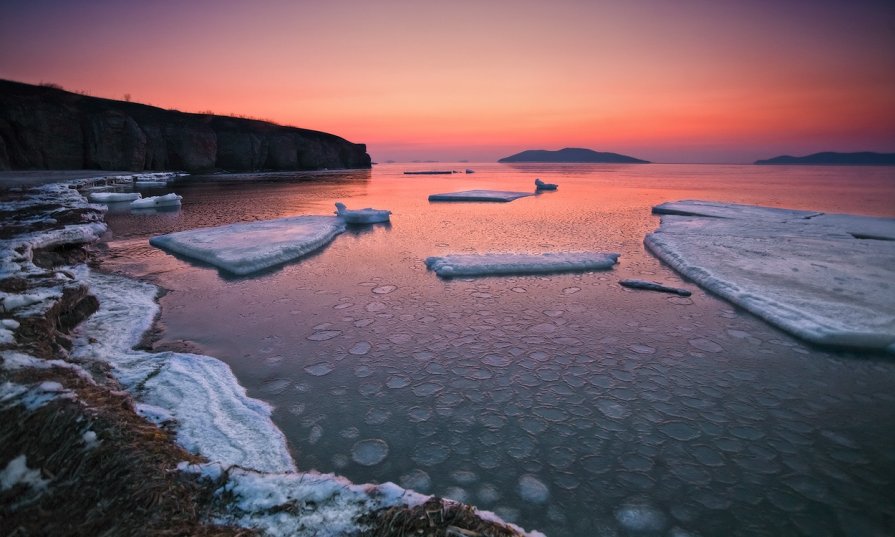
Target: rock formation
(831, 158)
(572, 154)
(43, 127)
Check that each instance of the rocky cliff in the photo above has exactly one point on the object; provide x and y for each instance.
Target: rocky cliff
(48, 128)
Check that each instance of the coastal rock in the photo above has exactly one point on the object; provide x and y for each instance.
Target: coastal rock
(114, 142)
(43, 127)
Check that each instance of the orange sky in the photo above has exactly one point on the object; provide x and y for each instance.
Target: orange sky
(686, 81)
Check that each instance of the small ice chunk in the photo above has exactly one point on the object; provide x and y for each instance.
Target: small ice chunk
(248, 247)
(640, 516)
(531, 489)
(541, 185)
(479, 195)
(113, 197)
(654, 286)
(496, 263)
(168, 200)
(361, 216)
(369, 452)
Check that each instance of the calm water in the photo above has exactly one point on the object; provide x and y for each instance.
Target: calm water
(564, 403)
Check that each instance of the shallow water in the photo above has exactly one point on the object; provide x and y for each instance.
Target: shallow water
(564, 403)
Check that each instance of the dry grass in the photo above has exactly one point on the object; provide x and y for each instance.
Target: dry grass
(126, 484)
(435, 518)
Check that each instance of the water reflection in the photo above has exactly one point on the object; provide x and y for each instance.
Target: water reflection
(564, 402)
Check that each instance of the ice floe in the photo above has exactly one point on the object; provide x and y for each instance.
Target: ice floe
(805, 272)
(153, 202)
(113, 197)
(454, 265)
(479, 195)
(362, 216)
(244, 248)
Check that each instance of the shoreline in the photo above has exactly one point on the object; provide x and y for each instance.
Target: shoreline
(86, 352)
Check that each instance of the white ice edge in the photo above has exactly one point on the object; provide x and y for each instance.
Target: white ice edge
(454, 265)
(244, 248)
(808, 276)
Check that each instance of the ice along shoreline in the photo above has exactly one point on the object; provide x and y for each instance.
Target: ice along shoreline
(235, 450)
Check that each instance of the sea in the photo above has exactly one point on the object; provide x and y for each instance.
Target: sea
(565, 402)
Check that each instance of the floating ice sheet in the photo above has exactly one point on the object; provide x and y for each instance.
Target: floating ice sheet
(495, 264)
(804, 272)
(113, 197)
(249, 247)
(479, 195)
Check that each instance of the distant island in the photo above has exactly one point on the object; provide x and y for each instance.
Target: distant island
(572, 154)
(864, 158)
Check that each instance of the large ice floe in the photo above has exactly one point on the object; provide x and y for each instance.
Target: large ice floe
(461, 265)
(479, 195)
(827, 278)
(248, 247)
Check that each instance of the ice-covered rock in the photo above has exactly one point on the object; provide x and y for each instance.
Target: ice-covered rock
(805, 272)
(479, 195)
(248, 247)
(541, 185)
(498, 263)
(168, 200)
(361, 216)
(113, 197)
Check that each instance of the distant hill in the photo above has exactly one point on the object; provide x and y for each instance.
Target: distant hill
(44, 127)
(865, 158)
(572, 154)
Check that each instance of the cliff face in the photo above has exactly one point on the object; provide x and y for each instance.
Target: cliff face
(47, 128)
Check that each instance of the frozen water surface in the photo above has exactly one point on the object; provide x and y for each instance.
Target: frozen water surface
(638, 413)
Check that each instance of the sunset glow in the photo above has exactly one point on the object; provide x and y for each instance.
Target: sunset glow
(693, 81)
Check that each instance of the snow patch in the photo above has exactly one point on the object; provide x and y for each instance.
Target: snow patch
(18, 473)
(32, 397)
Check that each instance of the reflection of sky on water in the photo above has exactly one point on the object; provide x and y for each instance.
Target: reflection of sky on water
(564, 402)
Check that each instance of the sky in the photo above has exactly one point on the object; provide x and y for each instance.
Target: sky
(724, 81)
